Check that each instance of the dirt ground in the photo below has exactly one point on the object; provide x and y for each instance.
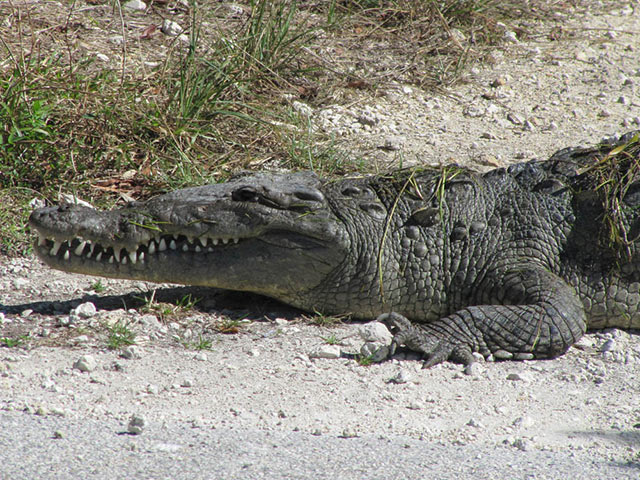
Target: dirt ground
(535, 97)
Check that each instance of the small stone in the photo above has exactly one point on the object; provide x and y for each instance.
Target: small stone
(375, 332)
(499, 82)
(402, 376)
(131, 352)
(581, 56)
(524, 422)
(527, 126)
(86, 363)
(302, 108)
(393, 143)
(102, 57)
(514, 118)
(623, 100)
(19, 283)
(200, 356)
(85, 310)
(608, 346)
(135, 5)
(326, 351)
(58, 434)
(611, 34)
(474, 423)
(510, 36)
(152, 389)
(187, 383)
(520, 376)
(473, 369)
(170, 28)
(604, 113)
(136, 424)
(281, 321)
(376, 351)
(488, 136)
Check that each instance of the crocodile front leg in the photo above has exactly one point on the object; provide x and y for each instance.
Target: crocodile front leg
(531, 313)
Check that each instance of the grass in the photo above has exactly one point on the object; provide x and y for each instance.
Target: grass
(119, 336)
(163, 113)
(13, 342)
(323, 320)
(167, 311)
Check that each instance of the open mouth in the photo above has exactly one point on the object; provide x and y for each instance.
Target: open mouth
(90, 250)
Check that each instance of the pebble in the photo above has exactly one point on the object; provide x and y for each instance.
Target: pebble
(302, 108)
(515, 119)
(135, 5)
(393, 143)
(85, 310)
(170, 28)
(524, 422)
(401, 377)
(102, 57)
(376, 351)
(520, 376)
(200, 356)
(19, 283)
(136, 424)
(187, 383)
(152, 389)
(474, 423)
(131, 352)
(326, 351)
(375, 332)
(608, 346)
(86, 363)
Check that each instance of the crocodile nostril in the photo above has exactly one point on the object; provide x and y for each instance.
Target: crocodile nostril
(245, 194)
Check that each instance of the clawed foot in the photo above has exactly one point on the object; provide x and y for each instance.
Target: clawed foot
(435, 347)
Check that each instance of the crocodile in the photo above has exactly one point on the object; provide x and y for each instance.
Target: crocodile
(514, 263)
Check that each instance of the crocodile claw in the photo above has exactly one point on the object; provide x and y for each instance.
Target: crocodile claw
(434, 346)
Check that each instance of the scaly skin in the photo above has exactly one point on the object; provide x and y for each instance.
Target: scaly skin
(514, 263)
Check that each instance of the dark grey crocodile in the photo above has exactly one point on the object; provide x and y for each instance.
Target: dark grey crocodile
(514, 263)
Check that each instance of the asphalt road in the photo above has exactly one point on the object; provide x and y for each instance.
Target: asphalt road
(95, 449)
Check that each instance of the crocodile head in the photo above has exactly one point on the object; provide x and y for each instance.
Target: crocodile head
(273, 234)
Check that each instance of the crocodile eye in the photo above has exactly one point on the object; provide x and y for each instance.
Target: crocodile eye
(245, 194)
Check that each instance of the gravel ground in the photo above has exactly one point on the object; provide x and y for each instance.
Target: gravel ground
(259, 403)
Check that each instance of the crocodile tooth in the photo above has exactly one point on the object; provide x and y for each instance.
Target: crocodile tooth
(99, 256)
(111, 259)
(225, 240)
(214, 241)
(198, 249)
(91, 247)
(203, 241)
(141, 257)
(124, 260)
(190, 238)
(151, 249)
(80, 248)
(185, 248)
(236, 240)
(42, 241)
(133, 256)
(54, 250)
(210, 249)
(175, 236)
(116, 253)
(172, 245)
(162, 246)
(66, 255)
